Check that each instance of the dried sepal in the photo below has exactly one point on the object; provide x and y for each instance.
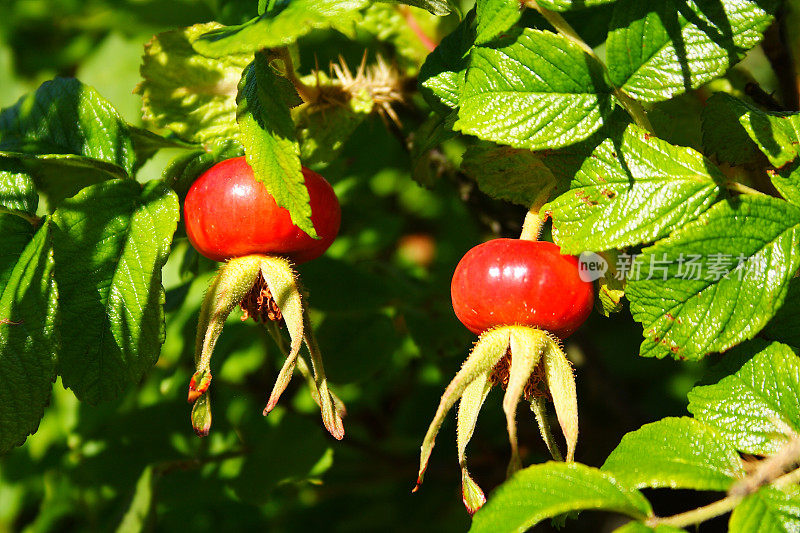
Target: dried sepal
(560, 380)
(468, 408)
(527, 346)
(489, 349)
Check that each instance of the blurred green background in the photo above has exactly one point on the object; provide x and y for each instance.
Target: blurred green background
(382, 312)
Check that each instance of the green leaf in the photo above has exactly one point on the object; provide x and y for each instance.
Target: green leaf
(777, 135)
(724, 134)
(718, 280)
(441, 77)
(17, 189)
(787, 181)
(506, 173)
(632, 189)
(279, 27)
(65, 116)
(270, 141)
(547, 490)
(679, 453)
(191, 95)
(539, 90)
(770, 510)
(436, 7)
(756, 406)
(785, 325)
(28, 340)
(495, 17)
(15, 233)
(736, 130)
(566, 5)
(59, 176)
(656, 50)
(110, 244)
(138, 517)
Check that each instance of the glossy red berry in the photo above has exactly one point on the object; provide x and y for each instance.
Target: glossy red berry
(229, 214)
(506, 282)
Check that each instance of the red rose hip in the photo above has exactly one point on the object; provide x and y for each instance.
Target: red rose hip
(229, 214)
(506, 282)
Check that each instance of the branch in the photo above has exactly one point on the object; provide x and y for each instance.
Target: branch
(307, 94)
(33, 219)
(770, 470)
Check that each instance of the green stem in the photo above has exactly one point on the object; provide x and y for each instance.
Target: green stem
(532, 227)
(307, 94)
(696, 516)
(634, 109)
(788, 479)
(720, 507)
(742, 188)
(33, 219)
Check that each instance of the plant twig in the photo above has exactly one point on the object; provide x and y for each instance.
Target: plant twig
(307, 94)
(33, 219)
(742, 188)
(769, 470)
(634, 109)
(696, 516)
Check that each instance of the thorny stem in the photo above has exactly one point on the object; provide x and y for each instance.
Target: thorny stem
(33, 219)
(768, 470)
(307, 94)
(630, 105)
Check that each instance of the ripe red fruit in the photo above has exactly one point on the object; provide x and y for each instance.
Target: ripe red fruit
(229, 214)
(506, 282)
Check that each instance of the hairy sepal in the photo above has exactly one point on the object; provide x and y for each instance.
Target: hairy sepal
(282, 283)
(491, 346)
(527, 346)
(231, 284)
(332, 411)
(468, 408)
(560, 380)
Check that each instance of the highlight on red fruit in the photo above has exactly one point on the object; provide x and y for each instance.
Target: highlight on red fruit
(506, 282)
(229, 214)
